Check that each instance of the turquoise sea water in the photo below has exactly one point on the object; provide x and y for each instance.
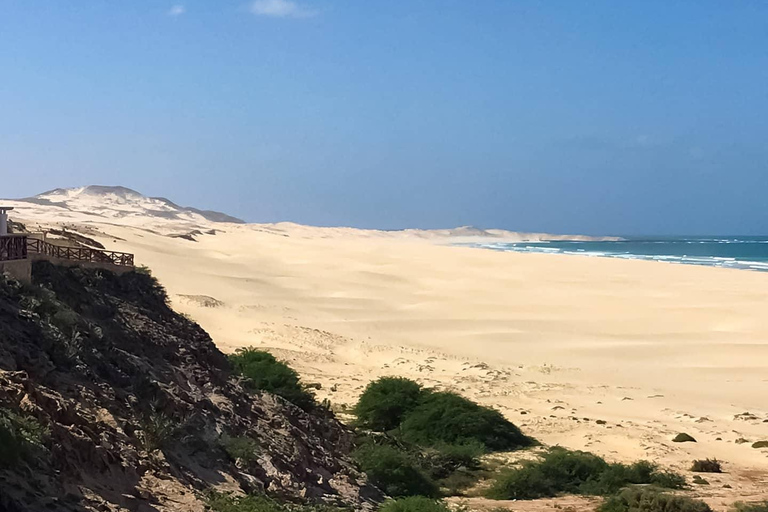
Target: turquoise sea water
(740, 252)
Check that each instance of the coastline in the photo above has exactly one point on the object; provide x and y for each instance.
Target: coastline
(740, 253)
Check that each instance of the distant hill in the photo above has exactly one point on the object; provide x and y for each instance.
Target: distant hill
(122, 202)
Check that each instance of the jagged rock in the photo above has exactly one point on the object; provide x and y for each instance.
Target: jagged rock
(136, 399)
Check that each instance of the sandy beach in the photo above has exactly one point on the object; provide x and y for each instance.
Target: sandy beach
(611, 356)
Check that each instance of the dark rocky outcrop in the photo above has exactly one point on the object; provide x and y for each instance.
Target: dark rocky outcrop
(137, 402)
(16, 227)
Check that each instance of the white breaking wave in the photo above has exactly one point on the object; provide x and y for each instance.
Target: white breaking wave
(701, 260)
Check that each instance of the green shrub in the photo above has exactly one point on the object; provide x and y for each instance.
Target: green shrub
(414, 504)
(265, 373)
(385, 402)
(158, 429)
(394, 471)
(143, 269)
(707, 466)
(435, 419)
(650, 500)
(442, 460)
(683, 438)
(240, 448)
(20, 437)
(574, 472)
(452, 468)
(751, 507)
(222, 502)
(526, 483)
(616, 476)
(447, 418)
(668, 480)
(458, 482)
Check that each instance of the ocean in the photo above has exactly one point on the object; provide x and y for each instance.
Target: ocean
(738, 252)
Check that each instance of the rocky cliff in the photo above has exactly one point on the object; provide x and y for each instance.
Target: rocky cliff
(109, 400)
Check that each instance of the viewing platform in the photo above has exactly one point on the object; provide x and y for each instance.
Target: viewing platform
(18, 251)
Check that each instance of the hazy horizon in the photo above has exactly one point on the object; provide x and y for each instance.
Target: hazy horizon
(564, 117)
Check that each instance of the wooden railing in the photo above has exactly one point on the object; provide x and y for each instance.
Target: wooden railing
(13, 247)
(86, 254)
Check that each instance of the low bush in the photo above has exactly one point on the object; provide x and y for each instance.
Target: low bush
(20, 437)
(394, 471)
(447, 418)
(240, 448)
(458, 482)
(526, 483)
(265, 373)
(668, 480)
(442, 460)
(450, 468)
(650, 500)
(683, 438)
(222, 502)
(466, 455)
(386, 401)
(455, 468)
(157, 431)
(574, 472)
(433, 419)
(414, 504)
(617, 476)
(707, 466)
(751, 507)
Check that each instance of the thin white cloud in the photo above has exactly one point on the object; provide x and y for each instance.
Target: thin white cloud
(281, 9)
(176, 10)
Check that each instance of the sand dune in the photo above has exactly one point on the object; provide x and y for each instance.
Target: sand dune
(555, 342)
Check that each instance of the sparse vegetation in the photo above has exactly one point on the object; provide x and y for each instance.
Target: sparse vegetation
(222, 502)
(651, 500)
(240, 448)
(265, 373)
(707, 466)
(157, 430)
(20, 437)
(668, 480)
(683, 438)
(574, 472)
(414, 504)
(751, 507)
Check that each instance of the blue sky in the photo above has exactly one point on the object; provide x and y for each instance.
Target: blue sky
(573, 116)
